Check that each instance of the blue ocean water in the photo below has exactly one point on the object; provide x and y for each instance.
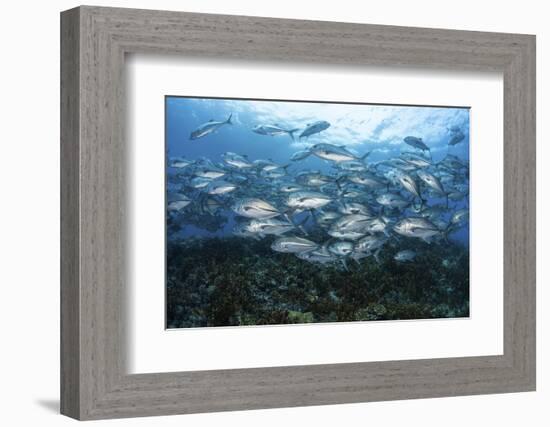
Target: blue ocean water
(360, 128)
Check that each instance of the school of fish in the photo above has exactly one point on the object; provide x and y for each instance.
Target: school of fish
(358, 205)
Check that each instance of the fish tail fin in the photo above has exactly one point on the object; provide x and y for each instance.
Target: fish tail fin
(228, 121)
(301, 224)
(448, 230)
(364, 156)
(337, 182)
(291, 133)
(376, 256)
(345, 264)
(418, 208)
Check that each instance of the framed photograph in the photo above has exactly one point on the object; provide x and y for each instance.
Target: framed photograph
(262, 213)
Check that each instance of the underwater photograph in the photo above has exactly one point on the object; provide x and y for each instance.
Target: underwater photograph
(293, 212)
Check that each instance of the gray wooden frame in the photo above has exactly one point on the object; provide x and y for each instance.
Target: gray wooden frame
(94, 41)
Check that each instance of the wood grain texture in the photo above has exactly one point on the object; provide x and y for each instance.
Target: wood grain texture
(70, 314)
(94, 271)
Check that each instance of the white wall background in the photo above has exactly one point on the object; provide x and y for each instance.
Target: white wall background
(29, 212)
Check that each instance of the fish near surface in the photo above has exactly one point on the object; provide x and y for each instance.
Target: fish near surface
(456, 137)
(334, 153)
(274, 130)
(416, 160)
(416, 142)
(352, 166)
(209, 127)
(300, 155)
(313, 128)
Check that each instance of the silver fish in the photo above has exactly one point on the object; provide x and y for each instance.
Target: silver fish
(393, 200)
(341, 248)
(379, 225)
(370, 243)
(405, 256)
(220, 187)
(313, 128)
(460, 216)
(269, 226)
(209, 127)
(431, 181)
(416, 142)
(293, 244)
(350, 227)
(409, 184)
(300, 155)
(421, 228)
(352, 166)
(350, 208)
(416, 160)
(334, 153)
(368, 180)
(326, 218)
(236, 160)
(178, 201)
(274, 130)
(456, 137)
(312, 179)
(307, 200)
(180, 163)
(209, 173)
(200, 182)
(290, 188)
(321, 256)
(255, 208)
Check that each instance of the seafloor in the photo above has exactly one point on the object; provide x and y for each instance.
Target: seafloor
(233, 281)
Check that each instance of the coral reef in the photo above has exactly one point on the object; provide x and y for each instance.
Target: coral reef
(233, 281)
